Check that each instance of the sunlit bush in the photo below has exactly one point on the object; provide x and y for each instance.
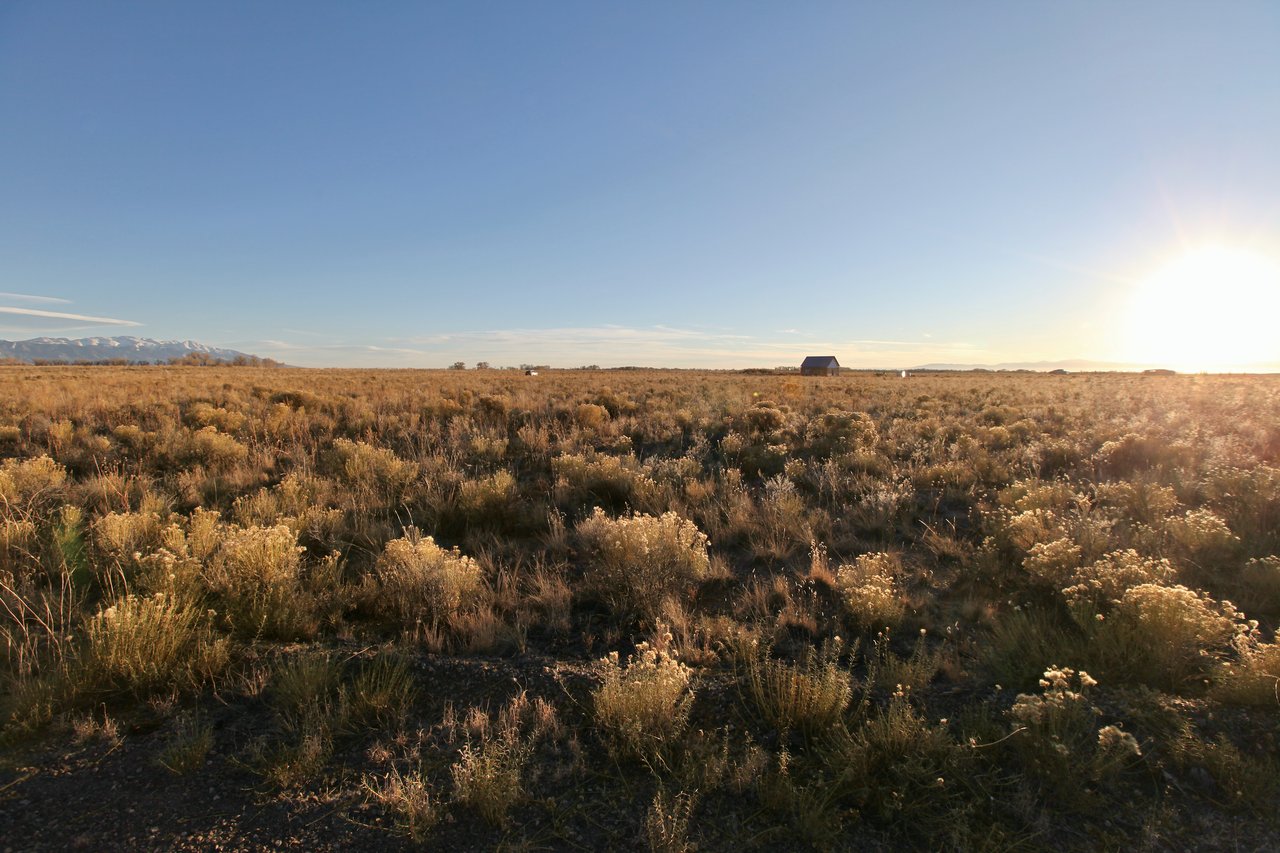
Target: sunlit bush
(1059, 739)
(870, 591)
(374, 472)
(201, 415)
(26, 484)
(489, 500)
(637, 561)
(1054, 563)
(420, 581)
(642, 705)
(1261, 581)
(213, 449)
(257, 574)
(1202, 537)
(143, 644)
(1108, 579)
(121, 534)
(1167, 633)
(1253, 679)
(586, 479)
(19, 545)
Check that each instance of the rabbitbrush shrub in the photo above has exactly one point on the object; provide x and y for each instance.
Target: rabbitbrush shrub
(810, 695)
(420, 581)
(642, 705)
(1058, 737)
(27, 483)
(1164, 634)
(257, 573)
(144, 644)
(635, 562)
(870, 592)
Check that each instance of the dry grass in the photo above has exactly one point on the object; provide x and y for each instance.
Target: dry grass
(310, 543)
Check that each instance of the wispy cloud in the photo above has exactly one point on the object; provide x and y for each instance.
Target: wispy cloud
(274, 345)
(30, 297)
(304, 332)
(64, 315)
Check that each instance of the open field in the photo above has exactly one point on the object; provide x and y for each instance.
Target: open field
(247, 608)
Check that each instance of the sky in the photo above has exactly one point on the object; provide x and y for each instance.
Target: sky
(696, 184)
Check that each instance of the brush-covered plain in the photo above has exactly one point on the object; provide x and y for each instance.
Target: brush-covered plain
(668, 610)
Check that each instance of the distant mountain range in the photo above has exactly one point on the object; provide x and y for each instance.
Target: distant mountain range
(138, 350)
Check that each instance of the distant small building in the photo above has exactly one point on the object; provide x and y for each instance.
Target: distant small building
(820, 365)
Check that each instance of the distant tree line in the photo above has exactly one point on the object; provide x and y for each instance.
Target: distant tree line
(204, 359)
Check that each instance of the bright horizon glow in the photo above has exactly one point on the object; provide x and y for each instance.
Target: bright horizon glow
(1213, 309)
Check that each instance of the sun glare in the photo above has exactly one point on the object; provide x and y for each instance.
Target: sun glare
(1212, 309)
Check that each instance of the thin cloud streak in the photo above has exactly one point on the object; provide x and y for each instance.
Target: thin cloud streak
(61, 315)
(30, 297)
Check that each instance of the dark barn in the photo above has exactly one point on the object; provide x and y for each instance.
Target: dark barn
(820, 365)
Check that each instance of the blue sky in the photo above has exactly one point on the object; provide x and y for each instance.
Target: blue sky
(721, 184)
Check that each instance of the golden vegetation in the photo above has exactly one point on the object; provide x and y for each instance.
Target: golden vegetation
(951, 611)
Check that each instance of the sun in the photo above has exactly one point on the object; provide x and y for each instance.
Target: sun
(1215, 308)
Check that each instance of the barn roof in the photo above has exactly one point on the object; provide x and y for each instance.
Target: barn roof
(820, 361)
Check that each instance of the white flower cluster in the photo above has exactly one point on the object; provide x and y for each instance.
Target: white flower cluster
(1108, 579)
(870, 591)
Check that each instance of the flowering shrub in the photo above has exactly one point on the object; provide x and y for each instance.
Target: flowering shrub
(19, 545)
(1261, 579)
(1061, 714)
(213, 449)
(635, 562)
(1145, 503)
(1202, 535)
(25, 482)
(644, 704)
(1058, 736)
(148, 643)
(1056, 496)
(1248, 496)
(1167, 632)
(1106, 581)
(118, 535)
(609, 480)
(203, 414)
(1252, 680)
(257, 573)
(1053, 563)
(870, 592)
(375, 472)
(838, 431)
(489, 499)
(419, 580)
(253, 557)
(1031, 527)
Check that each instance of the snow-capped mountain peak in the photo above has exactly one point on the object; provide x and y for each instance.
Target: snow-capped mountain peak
(125, 347)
